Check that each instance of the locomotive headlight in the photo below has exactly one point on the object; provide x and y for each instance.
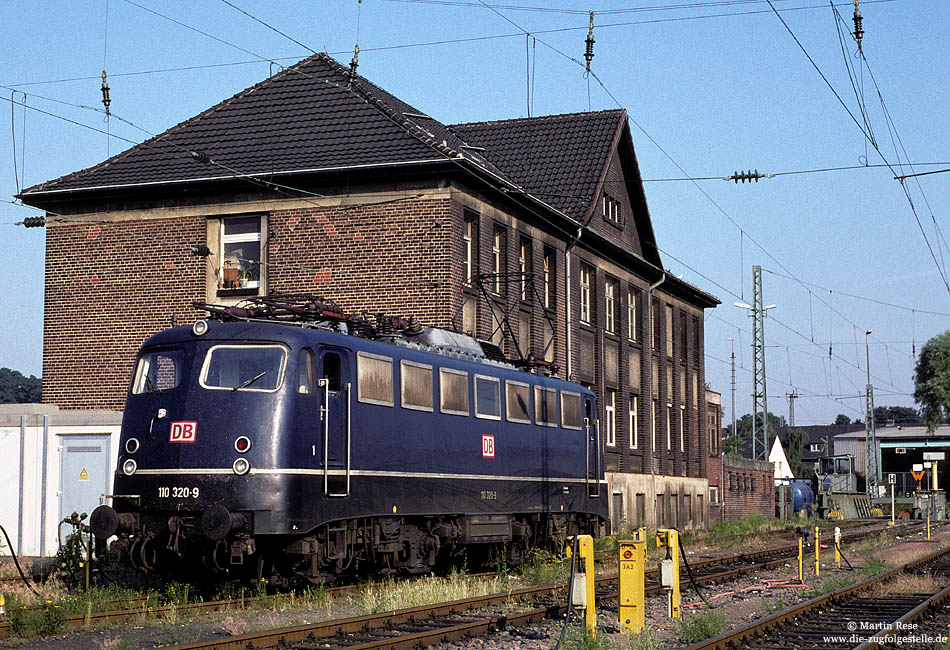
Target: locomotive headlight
(200, 327)
(129, 467)
(132, 446)
(242, 444)
(241, 466)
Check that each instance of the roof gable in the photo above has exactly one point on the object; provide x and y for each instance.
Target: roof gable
(312, 116)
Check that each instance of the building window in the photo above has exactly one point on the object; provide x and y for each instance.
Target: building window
(695, 330)
(550, 279)
(610, 305)
(610, 416)
(814, 448)
(632, 295)
(683, 336)
(468, 243)
(668, 313)
(241, 252)
(634, 428)
(669, 427)
(653, 426)
(499, 263)
(713, 494)
(524, 267)
(612, 210)
(682, 428)
(587, 274)
(654, 324)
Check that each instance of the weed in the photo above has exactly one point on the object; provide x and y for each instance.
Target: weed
(173, 634)
(646, 640)
(179, 593)
(777, 606)
(40, 621)
(543, 567)
(873, 565)
(739, 531)
(832, 584)
(115, 643)
(578, 637)
(704, 625)
(907, 583)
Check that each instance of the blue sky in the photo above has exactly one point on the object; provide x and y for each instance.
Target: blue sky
(713, 94)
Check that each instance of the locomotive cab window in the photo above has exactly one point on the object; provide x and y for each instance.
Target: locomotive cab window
(257, 368)
(157, 371)
(517, 398)
(375, 379)
(487, 398)
(453, 391)
(570, 410)
(305, 372)
(416, 386)
(545, 406)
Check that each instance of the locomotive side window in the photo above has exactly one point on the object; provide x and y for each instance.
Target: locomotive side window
(332, 371)
(545, 406)
(375, 379)
(244, 367)
(305, 372)
(517, 397)
(453, 391)
(570, 410)
(416, 386)
(487, 397)
(157, 371)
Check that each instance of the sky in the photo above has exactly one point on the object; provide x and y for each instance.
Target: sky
(711, 88)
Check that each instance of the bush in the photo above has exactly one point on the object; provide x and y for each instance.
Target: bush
(699, 627)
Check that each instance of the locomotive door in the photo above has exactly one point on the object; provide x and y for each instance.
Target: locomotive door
(594, 450)
(333, 388)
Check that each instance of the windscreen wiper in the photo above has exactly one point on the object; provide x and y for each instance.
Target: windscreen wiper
(248, 382)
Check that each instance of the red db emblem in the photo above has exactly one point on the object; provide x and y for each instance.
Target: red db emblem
(183, 432)
(488, 446)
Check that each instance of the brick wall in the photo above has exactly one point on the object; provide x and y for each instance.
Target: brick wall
(747, 487)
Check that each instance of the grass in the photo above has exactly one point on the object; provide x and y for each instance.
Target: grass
(731, 533)
(907, 583)
(577, 637)
(701, 626)
(832, 584)
(390, 594)
(646, 640)
(777, 606)
(543, 567)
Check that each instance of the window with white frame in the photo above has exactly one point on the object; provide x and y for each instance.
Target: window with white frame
(611, 209)
(610, 305)
(632, 313)
(241, 252)
(549, 279)
(498, 256)
(610, 417)
(814, 447)
(586, 277)
(682, 428)
(467, 238)
(634, 428)
(653, 426)
(669, 427)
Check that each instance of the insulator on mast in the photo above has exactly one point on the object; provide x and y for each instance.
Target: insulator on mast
(858, 19)
(355, 61)
(106, 101)
(589, 52)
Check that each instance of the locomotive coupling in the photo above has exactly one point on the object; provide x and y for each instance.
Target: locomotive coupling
(218, 522)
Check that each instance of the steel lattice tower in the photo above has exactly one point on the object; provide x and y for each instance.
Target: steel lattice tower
(760, 404)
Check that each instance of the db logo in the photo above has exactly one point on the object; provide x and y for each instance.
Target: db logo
(488, 446)
(183, 432)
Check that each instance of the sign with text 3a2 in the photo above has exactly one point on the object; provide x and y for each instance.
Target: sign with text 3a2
(183, 432)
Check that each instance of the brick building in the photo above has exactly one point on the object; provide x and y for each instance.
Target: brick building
(714, 462)
(318, 181)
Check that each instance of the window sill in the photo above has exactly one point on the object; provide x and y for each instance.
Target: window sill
(227, 293)
(618, 226)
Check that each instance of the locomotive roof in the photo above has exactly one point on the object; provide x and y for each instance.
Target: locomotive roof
(299, 337)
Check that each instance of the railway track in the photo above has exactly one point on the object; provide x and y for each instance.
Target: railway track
(421, 626)
(706, 571)
(845, 619)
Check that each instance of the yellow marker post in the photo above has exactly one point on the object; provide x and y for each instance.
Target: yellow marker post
(632, 561)
(837, 547)
(817, 548)
(583, 596)
(3, 605)
(670, 568)
(801, 558)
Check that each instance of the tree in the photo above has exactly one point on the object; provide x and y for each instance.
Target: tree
(932, 380)
(843, 419)
(738, 442)
(17, 388)
(899, 414)
(795, 440)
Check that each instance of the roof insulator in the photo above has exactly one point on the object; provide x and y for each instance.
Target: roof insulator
(858, 31)
(355, 61)
(202, 157)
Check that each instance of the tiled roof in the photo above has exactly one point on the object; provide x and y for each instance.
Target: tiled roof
(311, 116)
(558, 158)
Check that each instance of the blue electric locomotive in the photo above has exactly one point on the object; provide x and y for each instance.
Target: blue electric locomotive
(335, 447)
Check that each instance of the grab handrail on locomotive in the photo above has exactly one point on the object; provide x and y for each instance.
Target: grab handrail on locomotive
(342, 446)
